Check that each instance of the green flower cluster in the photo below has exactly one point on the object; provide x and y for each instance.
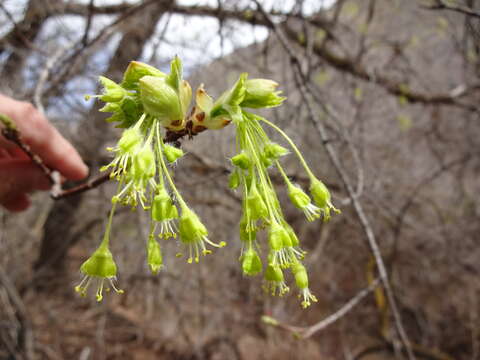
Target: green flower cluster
(149, 103)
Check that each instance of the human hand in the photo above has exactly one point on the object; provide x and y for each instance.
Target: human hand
(18, 174)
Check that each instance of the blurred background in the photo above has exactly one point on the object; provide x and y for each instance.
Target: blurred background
(383, 101)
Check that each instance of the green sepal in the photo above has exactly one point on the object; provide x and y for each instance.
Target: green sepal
(172, 153)
(300, 274)
(154, 255)
(190, 227)
(251, 262)
(100, 264)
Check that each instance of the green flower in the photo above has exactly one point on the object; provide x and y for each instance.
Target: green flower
(274, 151)
(172, 153)
(301, 280)
(194, 235)
(260, 93)
(241, 160)
(251, 262)
(254, 204)
(275, 282)
(165, 213)
(112, 92)
(322, 198)
(154, 255)
(302, 201)
(100, 266)
(234, 180)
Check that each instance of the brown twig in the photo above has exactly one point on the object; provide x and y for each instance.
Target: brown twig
(308, 331)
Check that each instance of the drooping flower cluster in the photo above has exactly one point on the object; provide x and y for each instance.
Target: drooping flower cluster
(150, 104)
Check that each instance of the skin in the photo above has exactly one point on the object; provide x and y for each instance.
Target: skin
(18, 175)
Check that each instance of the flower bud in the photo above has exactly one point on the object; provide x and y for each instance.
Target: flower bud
(251, 262)
(172, 153)
(255, 204)
(112, 92)
(154, 255)
(241, 160)
(160, 100)
(135, 71)
(322, 198)
(320, 193)
(234, 180)
(190, 227)
(274, 273)
(163, 207)
(260, 93)
(291, 233)
(300, 274)
(278, 237)
(129, 140)
(144, 163)
(274, 151)
(298, 197)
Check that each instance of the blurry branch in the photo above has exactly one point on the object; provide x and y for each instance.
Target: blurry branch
(382, 307)
(305, 91)
(308, 331)
(88, 24)
(25, 337)
(355, 68)
(414, 193)
(450, 6)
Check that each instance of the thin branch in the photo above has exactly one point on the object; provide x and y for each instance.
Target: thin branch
(308, 331)
(26, 337)
(442, 5)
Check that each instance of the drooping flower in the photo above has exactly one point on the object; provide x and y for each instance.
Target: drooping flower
(260, 93)
(154, 255)
(251, 262)
(301, 280)
(165, 213)
(100, 267)
(302, 201)
(275, 282)
(194, 235)
(322, 198)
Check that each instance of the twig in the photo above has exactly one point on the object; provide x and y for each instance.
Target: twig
(25, 336)
(441, 5)
(308, 331)
(331, 153)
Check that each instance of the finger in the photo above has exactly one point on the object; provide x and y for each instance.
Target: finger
(44, 139)
(17, 203)
(20, 176)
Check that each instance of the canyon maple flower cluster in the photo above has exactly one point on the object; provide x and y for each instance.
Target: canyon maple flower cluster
(150, 105)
